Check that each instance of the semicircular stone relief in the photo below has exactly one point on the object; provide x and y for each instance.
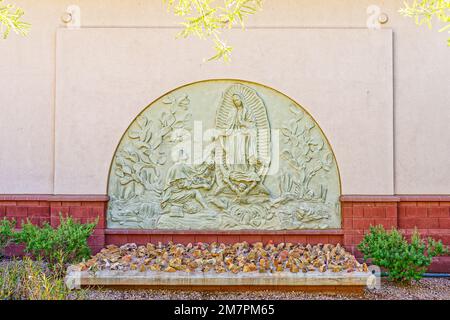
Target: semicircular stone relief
(224, 155)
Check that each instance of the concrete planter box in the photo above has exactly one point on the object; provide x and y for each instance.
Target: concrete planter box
(210, 280)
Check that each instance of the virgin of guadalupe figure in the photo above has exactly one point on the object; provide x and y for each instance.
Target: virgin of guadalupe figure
(243, 148)
(239, 140)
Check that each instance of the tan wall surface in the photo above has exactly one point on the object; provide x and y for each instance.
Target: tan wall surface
(102, 86)
(420, 82)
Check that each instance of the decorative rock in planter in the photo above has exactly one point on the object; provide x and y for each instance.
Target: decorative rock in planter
(239, 264)
(218, 257)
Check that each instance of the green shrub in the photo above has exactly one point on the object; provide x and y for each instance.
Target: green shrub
(6, 234)
(32, 280)
(58, 246)
(404, 261)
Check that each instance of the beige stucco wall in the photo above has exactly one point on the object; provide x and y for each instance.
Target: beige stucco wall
(82, 88)
(101, 87)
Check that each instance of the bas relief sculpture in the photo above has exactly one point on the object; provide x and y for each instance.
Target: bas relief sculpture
(224, 155)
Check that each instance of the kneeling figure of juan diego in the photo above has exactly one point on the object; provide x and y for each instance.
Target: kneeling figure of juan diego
(181, 193)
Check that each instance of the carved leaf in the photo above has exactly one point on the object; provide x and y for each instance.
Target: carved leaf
(142, 122)
(168, 100)
(164, 131)
(149, 135)
(119, 161)
(142, 135)
(134, 134)
(297, 112)
(126, 169)
(162, 159)
(184, 102)
(137, 167)
(125, 180)
(286, 132)
(187, 118)
(317, 168)
(141, 145)
(178, 124)
(157, 140)
(167, 119)
(310, 125)
(119, 173)
(146, 159)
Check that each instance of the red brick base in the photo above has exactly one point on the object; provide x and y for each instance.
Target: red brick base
(47, 208)
(145, 236)
(430, 214)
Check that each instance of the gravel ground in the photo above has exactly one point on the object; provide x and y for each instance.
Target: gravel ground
(425, 289)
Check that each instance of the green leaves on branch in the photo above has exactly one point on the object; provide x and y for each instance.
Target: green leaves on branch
(424, 11)
(11, 20)
(6, 234)
(405, 261)
(65, 244)
(58, 246)
(206, 18)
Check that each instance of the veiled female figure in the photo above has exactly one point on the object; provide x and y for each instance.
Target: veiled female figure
(239, 140)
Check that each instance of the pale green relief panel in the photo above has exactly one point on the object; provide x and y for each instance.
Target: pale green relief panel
(224, 155)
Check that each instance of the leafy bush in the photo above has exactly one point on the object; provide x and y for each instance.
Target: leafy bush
(6, 234)
(404, 261)
(32, 280)
(58, 246)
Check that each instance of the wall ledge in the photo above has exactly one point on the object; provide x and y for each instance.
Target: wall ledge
(221, 232)
(395, 198)
(369, 198)
(54, 197)
(425, 198)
